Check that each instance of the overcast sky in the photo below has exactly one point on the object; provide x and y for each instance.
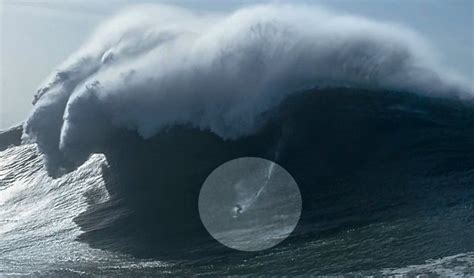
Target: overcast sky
(36, 36)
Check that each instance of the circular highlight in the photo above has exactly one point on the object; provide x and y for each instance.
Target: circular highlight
(250, 204)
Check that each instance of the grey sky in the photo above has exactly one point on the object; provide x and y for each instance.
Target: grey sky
(36, 36)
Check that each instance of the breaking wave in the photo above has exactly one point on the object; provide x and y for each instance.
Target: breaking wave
(155, 67)
(376, 133)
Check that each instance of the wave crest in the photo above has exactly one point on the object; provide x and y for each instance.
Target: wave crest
(154, 67)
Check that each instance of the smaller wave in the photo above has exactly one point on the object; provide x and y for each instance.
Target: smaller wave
(460, 265)
(10, 137)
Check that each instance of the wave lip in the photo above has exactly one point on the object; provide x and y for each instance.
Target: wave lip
(10, 137)
(154, 67)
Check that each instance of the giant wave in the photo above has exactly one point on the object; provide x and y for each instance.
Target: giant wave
(377, 135)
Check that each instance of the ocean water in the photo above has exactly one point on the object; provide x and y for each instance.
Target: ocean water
(385, 178)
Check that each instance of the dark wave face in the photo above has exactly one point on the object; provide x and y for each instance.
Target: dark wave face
(363, 161)
(385, 177)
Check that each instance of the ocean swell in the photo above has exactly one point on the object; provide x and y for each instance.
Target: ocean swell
(155, 67)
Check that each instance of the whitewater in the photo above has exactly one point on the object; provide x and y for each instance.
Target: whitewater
(144, 70)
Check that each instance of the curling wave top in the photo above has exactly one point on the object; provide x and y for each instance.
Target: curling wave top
(152, 67)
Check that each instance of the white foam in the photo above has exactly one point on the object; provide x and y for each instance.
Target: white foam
(460, 265)
(155, 66)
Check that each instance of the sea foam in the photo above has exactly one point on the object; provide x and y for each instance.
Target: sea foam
(153, 67)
